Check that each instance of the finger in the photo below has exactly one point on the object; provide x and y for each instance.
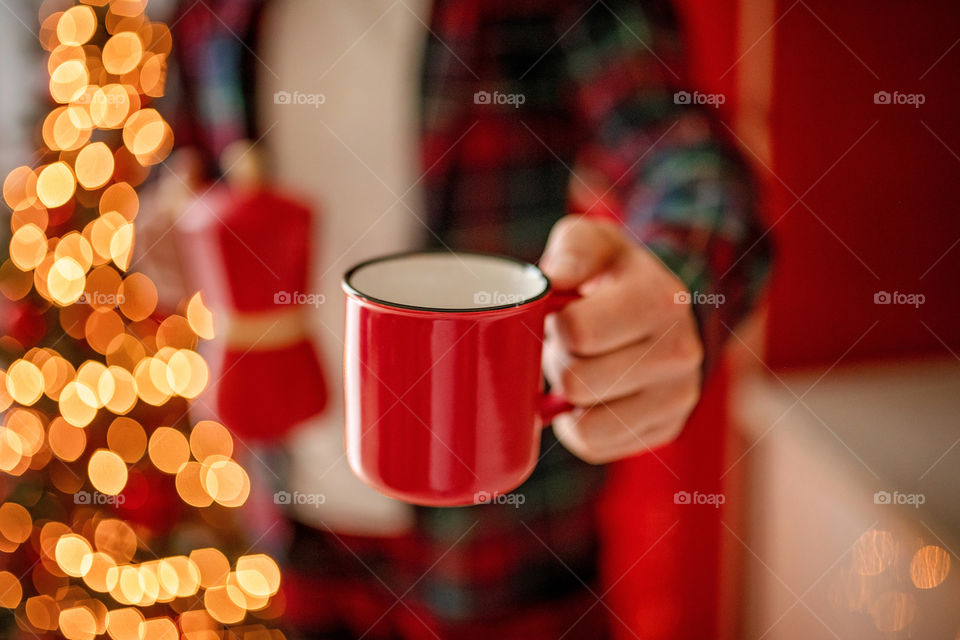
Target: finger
(629, 425)
(634, 300)
(587, 381)
(578, 249)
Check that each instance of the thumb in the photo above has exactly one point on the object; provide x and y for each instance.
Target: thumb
(578, 249)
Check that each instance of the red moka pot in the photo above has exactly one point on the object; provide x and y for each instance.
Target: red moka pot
(249, 251)
(442, 374)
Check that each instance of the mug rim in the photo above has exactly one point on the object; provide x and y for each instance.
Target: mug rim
(351, 290)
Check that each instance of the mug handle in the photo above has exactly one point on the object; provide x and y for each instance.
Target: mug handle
(553, 404)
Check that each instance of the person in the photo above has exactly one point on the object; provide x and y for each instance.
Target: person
(527, 111)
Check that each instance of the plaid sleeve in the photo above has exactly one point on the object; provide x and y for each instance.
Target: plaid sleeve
(660, 165)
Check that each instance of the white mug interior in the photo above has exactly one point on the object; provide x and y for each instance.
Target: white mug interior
(447, 281)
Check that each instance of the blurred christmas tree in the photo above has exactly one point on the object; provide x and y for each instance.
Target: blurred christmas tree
(118, 515)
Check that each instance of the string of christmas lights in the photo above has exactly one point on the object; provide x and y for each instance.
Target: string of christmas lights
(86, 414)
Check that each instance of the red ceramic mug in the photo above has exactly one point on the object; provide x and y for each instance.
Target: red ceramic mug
(442, 376)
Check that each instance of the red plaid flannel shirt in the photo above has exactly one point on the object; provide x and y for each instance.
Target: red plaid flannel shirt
(531, 109)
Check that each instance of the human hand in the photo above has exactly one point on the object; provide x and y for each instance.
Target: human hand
(627, 355)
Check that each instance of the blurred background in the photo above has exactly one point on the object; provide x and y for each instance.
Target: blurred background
(822, 499)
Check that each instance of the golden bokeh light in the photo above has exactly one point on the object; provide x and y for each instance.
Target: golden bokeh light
(117, 539)
(67, 128)
(175, 332)
(213, 566)
(94, 165)
(124, 623)
(158, 629)
(120, 198)
(16, 525)
(78, 404)
(74, 245)
(146, 381)
(128, 8)
(189, 486)
(66, 280)
(56, 184)
(11, 592)
(222, 604)
(97, 571)
(42, 612)
(57, 372)
(66, 441)
(929, 567)
(124, 396)
(20, 188)
(77, 25)
(107, 472)
(127, 438)
(137, 296)
(168, 449)
(110, 105)
(78, 623)
(14, 283)
(225, 480)
(101, 329)
(258, 575)
(144, 132)
(28, 246)
(90, 374)
(102, 290)
(209, 438)
(187, 373)
(68, 81)
(69, 553)
(24, 382)
(153, 74)
(102, 231)
(200, 317)
(122, 53)
(121, 246)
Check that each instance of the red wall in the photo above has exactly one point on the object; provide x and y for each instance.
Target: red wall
(888, 209)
